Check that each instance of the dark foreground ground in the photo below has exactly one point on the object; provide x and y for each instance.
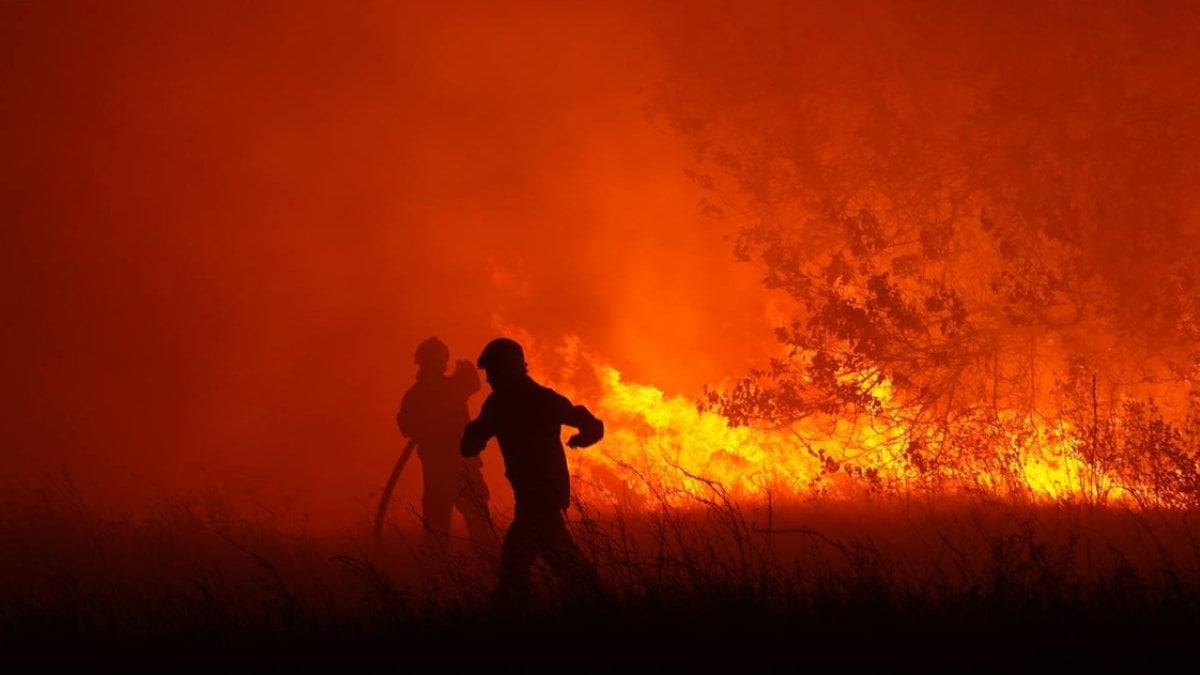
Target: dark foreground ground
(953, 588)
(730, 639)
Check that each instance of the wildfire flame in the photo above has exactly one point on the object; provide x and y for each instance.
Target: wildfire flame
(663, 448)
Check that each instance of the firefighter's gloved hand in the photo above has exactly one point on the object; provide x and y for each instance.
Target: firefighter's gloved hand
(591, 430)
(582, 440)
(470, 447)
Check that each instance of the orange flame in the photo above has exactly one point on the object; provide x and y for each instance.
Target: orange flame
(665, 449)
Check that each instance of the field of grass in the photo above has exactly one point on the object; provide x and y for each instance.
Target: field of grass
(881, 585)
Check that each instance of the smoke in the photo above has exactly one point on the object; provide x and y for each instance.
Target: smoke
(231, 223)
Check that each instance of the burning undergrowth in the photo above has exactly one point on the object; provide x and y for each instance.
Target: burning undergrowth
(669, 449)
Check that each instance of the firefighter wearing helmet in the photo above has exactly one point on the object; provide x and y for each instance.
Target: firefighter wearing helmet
(526, 419)
(433, 413)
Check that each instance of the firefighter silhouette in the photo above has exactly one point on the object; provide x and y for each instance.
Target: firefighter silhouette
(433, 413)
(526, 418)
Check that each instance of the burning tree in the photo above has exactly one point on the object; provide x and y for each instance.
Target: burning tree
(987, 224)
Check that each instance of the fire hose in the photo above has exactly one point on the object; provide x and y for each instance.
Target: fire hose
(381, 512)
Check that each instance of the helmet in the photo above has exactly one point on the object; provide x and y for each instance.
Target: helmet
(502, 354)
(432, 352)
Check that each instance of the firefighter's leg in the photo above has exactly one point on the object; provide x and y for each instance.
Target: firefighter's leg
(517, 555)
(564, 557)
(472, 503)
(437, 503)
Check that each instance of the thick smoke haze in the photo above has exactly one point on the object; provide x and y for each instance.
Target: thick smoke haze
(229, 224)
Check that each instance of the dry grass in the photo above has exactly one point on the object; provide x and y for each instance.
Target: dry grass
(957, 586)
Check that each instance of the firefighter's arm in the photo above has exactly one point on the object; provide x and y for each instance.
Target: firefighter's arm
(478, 432)
(466, 378)
(591, 429)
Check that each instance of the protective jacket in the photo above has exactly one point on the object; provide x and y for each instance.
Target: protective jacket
(434, 413)
(527, 420)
